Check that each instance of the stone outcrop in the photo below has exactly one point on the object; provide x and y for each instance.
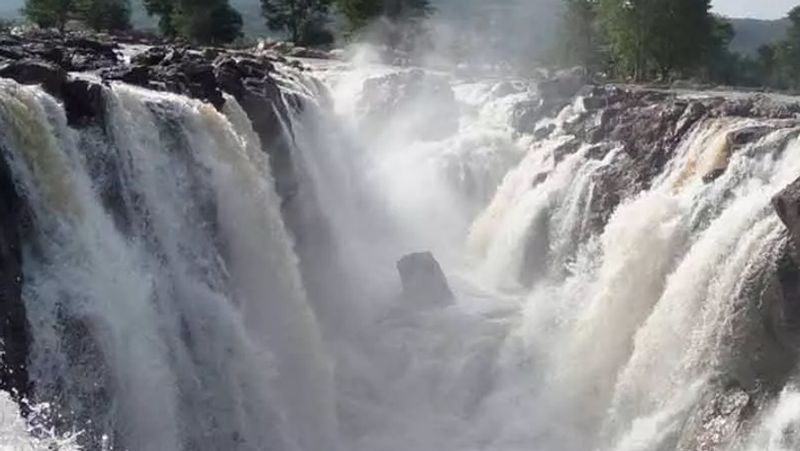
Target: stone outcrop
(423, 280)
(787, 206)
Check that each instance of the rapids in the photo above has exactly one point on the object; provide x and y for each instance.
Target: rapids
(177, 302)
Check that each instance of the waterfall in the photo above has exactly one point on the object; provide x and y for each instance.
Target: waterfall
(607, 296)
(184, 325)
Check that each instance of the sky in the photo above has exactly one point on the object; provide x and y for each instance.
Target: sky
(757, 9)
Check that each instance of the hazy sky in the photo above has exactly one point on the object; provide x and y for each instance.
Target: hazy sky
(761, 9)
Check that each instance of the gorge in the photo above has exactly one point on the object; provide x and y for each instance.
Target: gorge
(199, 250)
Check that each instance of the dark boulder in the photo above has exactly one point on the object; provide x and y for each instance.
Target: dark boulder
(98, 48)
(150, 57)
(564, 84)
(197, 80)
(134, 75)
(423, 280)
(32, 72)
(15, 222)
(83, 101)
(249, 80)
(526, 114)
(171, 69)
(787, 205)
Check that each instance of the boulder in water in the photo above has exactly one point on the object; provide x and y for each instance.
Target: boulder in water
(787, 205)
(31, 72)
(423, 279)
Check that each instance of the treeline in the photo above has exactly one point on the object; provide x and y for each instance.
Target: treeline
(776, 65)
(308, 22)
(646, 40)
(305, 22)
(643, 39)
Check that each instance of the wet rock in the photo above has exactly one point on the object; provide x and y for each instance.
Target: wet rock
(526, 114)
(718, 420)
(201, 82)
(134, 75)
(423, 280)
(150, 57)
(248, 79)
(83, 101)
(787, 205)
(713, 175)
(14, 329)
(693, 113)
(30, 72)
(594, 103)
(564, 84)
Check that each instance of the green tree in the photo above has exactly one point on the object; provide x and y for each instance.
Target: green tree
(623, 27)
(105, 15)
(359, 13)
(722, 65)
(164, 9)
(649, 38)
(201, 21)
(49, 13)
(399, 10)
(398, 24)
(787, 53)
(207, 21)
(579, 42)
(683, 35)
(303, 20)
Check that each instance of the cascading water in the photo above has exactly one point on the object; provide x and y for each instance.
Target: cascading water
(191, 330)
(177, 302)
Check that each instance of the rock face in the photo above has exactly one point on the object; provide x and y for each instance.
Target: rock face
(787, 206)
(648, 125)
(14, 331)
(423, 280)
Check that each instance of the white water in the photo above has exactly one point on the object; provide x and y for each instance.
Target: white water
(161, 243)
(206, 340)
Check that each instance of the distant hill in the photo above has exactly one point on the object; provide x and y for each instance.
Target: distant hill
(753, 33)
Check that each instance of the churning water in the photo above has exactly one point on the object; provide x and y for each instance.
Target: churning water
(172, 306)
